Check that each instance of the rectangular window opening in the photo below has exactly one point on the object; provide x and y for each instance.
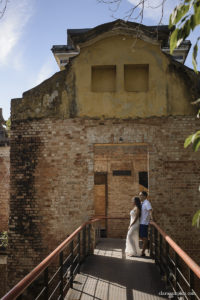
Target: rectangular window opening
(136, 78)
(103, 78)
(121, 172)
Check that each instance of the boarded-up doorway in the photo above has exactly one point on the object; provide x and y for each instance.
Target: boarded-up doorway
(100, 198)
(126, 169)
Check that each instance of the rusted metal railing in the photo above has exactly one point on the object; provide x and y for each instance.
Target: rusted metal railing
(68, 267)
(80, 244)
(181, 272)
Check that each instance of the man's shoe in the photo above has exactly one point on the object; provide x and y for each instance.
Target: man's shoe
(143, 254)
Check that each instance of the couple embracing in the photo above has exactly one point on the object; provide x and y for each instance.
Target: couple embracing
(141, 214)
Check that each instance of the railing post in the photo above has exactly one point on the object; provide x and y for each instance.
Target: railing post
(191, 283)
(99, 229)
(84, 242)
(156, 244)
(151, 242)
(89, 239)
(79, 251)
(97, 237)
(46, 284)
(61, 276)
(160, 253)
(176, 271)
(72, 264)
(167, 261)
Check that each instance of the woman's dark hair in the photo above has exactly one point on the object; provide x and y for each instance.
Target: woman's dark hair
(138, 204)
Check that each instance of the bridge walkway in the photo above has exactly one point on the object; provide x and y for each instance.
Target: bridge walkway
(111, 275)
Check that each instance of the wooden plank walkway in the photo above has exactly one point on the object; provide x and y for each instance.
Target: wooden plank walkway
(110, 275)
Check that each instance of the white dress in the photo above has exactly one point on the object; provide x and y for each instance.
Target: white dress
(132, 239)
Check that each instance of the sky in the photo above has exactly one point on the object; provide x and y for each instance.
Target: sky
(29, 29)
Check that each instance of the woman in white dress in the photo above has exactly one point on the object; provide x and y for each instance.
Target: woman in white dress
(132, 239)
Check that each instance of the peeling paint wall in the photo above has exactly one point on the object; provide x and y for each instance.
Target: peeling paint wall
(69, 93)
(167, 92)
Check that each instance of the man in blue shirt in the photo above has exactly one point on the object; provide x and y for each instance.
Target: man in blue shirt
(146, 216)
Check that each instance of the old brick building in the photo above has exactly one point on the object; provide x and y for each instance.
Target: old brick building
(4, 175)
(85, 140)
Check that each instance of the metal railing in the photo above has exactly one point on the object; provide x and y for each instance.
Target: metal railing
(54, 281)
(181, 273)
(72, 252)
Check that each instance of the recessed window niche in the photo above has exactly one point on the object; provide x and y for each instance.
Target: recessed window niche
(103, 78)
(136, 78)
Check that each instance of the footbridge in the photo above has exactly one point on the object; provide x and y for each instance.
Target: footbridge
(86, 266)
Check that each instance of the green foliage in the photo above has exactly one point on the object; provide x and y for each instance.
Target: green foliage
(196, 219)
(193, 139)
(8, 126)
(4, 239)
(194, 55)
(186, 17)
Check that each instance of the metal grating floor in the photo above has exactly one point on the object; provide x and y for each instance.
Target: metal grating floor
(110, 275)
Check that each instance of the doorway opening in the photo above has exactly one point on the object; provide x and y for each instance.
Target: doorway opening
(120, 172)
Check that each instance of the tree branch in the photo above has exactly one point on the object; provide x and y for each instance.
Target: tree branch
(3, 7)
(140, 5)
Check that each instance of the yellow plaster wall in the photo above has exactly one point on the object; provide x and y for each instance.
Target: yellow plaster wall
(166, 94)
(72, 93)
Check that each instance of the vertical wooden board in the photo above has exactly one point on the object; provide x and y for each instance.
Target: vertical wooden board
(100, 199)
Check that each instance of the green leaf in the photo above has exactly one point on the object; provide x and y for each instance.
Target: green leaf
(188, 141)
(194, 57)
(194, 139)
(197, 13)
(192, 22)
(173, 40)
(178, 13)
(195, 136)
(185, 30)
(172, 17)
(196, 219)
(178, 35)
(196, 144)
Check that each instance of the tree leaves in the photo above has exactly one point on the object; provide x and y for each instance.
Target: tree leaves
(186, 17)
(188, 141)
(193, 139)
(179, 12)
(196, 219)
(173, 40)
(194, 55)
(179, 34)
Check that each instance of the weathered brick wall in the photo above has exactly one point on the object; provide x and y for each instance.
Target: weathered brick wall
(4, 186)
(52, 180)
(51, 188)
